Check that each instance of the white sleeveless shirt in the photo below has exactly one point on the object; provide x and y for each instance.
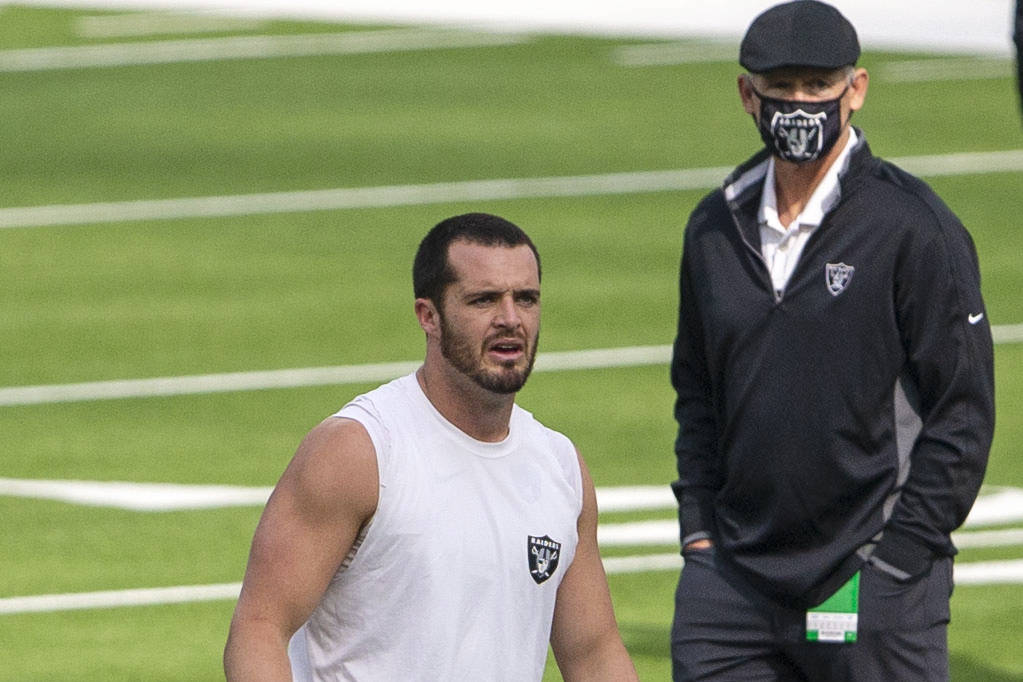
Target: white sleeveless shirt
(458, 570)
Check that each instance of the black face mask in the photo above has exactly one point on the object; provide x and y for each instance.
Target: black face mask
(799, 131)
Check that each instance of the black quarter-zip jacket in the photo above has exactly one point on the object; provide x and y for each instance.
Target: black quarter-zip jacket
(850, 414)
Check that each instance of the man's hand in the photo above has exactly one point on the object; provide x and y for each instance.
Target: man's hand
(702, 543)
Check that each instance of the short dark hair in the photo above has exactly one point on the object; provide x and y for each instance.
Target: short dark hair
(431, 272)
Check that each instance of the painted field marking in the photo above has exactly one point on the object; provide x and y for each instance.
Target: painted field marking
(205, 383)
(951, 69)
(965, 573)
(666, 54)
(248, 47)
(140, 497)
(390, 196)
(551, 361)
(386, 196)
(313, 376)
(996, 505)
(989, 572)
(1010, 537)
(904, 71)
(629, 498)
(107, 599)
(154, 497)
(665, 533)
(138, 24)
(1007, 333)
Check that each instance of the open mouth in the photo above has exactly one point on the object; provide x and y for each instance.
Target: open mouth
(507, 349)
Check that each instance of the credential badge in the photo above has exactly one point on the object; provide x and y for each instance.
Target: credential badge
(543, 556)
(838, 276)
(801, 133)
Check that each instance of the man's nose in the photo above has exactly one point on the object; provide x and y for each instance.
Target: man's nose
(507, 313)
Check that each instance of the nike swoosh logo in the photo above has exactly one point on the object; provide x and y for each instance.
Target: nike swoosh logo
(974, 319)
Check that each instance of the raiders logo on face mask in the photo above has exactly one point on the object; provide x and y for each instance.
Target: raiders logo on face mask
(799, 131)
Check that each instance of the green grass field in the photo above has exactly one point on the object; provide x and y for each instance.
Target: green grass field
(275, 290)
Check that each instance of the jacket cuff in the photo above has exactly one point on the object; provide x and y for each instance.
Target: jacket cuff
(696, 518)
(904, 553)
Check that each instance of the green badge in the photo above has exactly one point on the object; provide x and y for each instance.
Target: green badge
(835, 620)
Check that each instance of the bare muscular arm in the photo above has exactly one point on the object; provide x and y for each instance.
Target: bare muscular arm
(584, 636)
(326, 494)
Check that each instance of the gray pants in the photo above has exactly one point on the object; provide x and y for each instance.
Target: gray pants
(723, 630)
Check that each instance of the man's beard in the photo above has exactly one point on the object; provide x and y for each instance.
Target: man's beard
(457, 350)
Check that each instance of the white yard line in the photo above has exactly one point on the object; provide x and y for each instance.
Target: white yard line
(206, 383)
(635, 498)
(989, 572)
(389, 196)
(247, 47)
(137, 24)
(902, 71)
(962, 163)
(551, 361)
(997, 505)
(1009, 537)
(688, 52)
(152, 497)
(44, 603)
(965, 573)
(951, 69)
(312, 376)
(642, 563)
(385, 196)
(659, 533)
(1007, 333)
(140, 497)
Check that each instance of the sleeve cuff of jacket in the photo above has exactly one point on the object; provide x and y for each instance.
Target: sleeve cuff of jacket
(904, 552)
(696, 520)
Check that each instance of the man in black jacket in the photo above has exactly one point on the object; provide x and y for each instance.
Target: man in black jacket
(834, 379)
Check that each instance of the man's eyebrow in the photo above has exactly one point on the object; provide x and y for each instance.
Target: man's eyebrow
(493, 291)
(483, 291)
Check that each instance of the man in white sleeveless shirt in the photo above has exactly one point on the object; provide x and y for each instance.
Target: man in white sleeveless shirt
(432, 529)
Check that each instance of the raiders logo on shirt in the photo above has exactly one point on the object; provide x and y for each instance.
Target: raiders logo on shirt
(543, 554)
(837, 276)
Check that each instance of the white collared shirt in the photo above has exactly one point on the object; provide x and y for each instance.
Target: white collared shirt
(782, 245)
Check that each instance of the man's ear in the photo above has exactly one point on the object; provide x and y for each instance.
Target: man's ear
(428, 316)
(746, 94)
(858, 89)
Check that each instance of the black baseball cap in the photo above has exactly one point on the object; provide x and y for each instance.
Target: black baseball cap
(799, 33)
